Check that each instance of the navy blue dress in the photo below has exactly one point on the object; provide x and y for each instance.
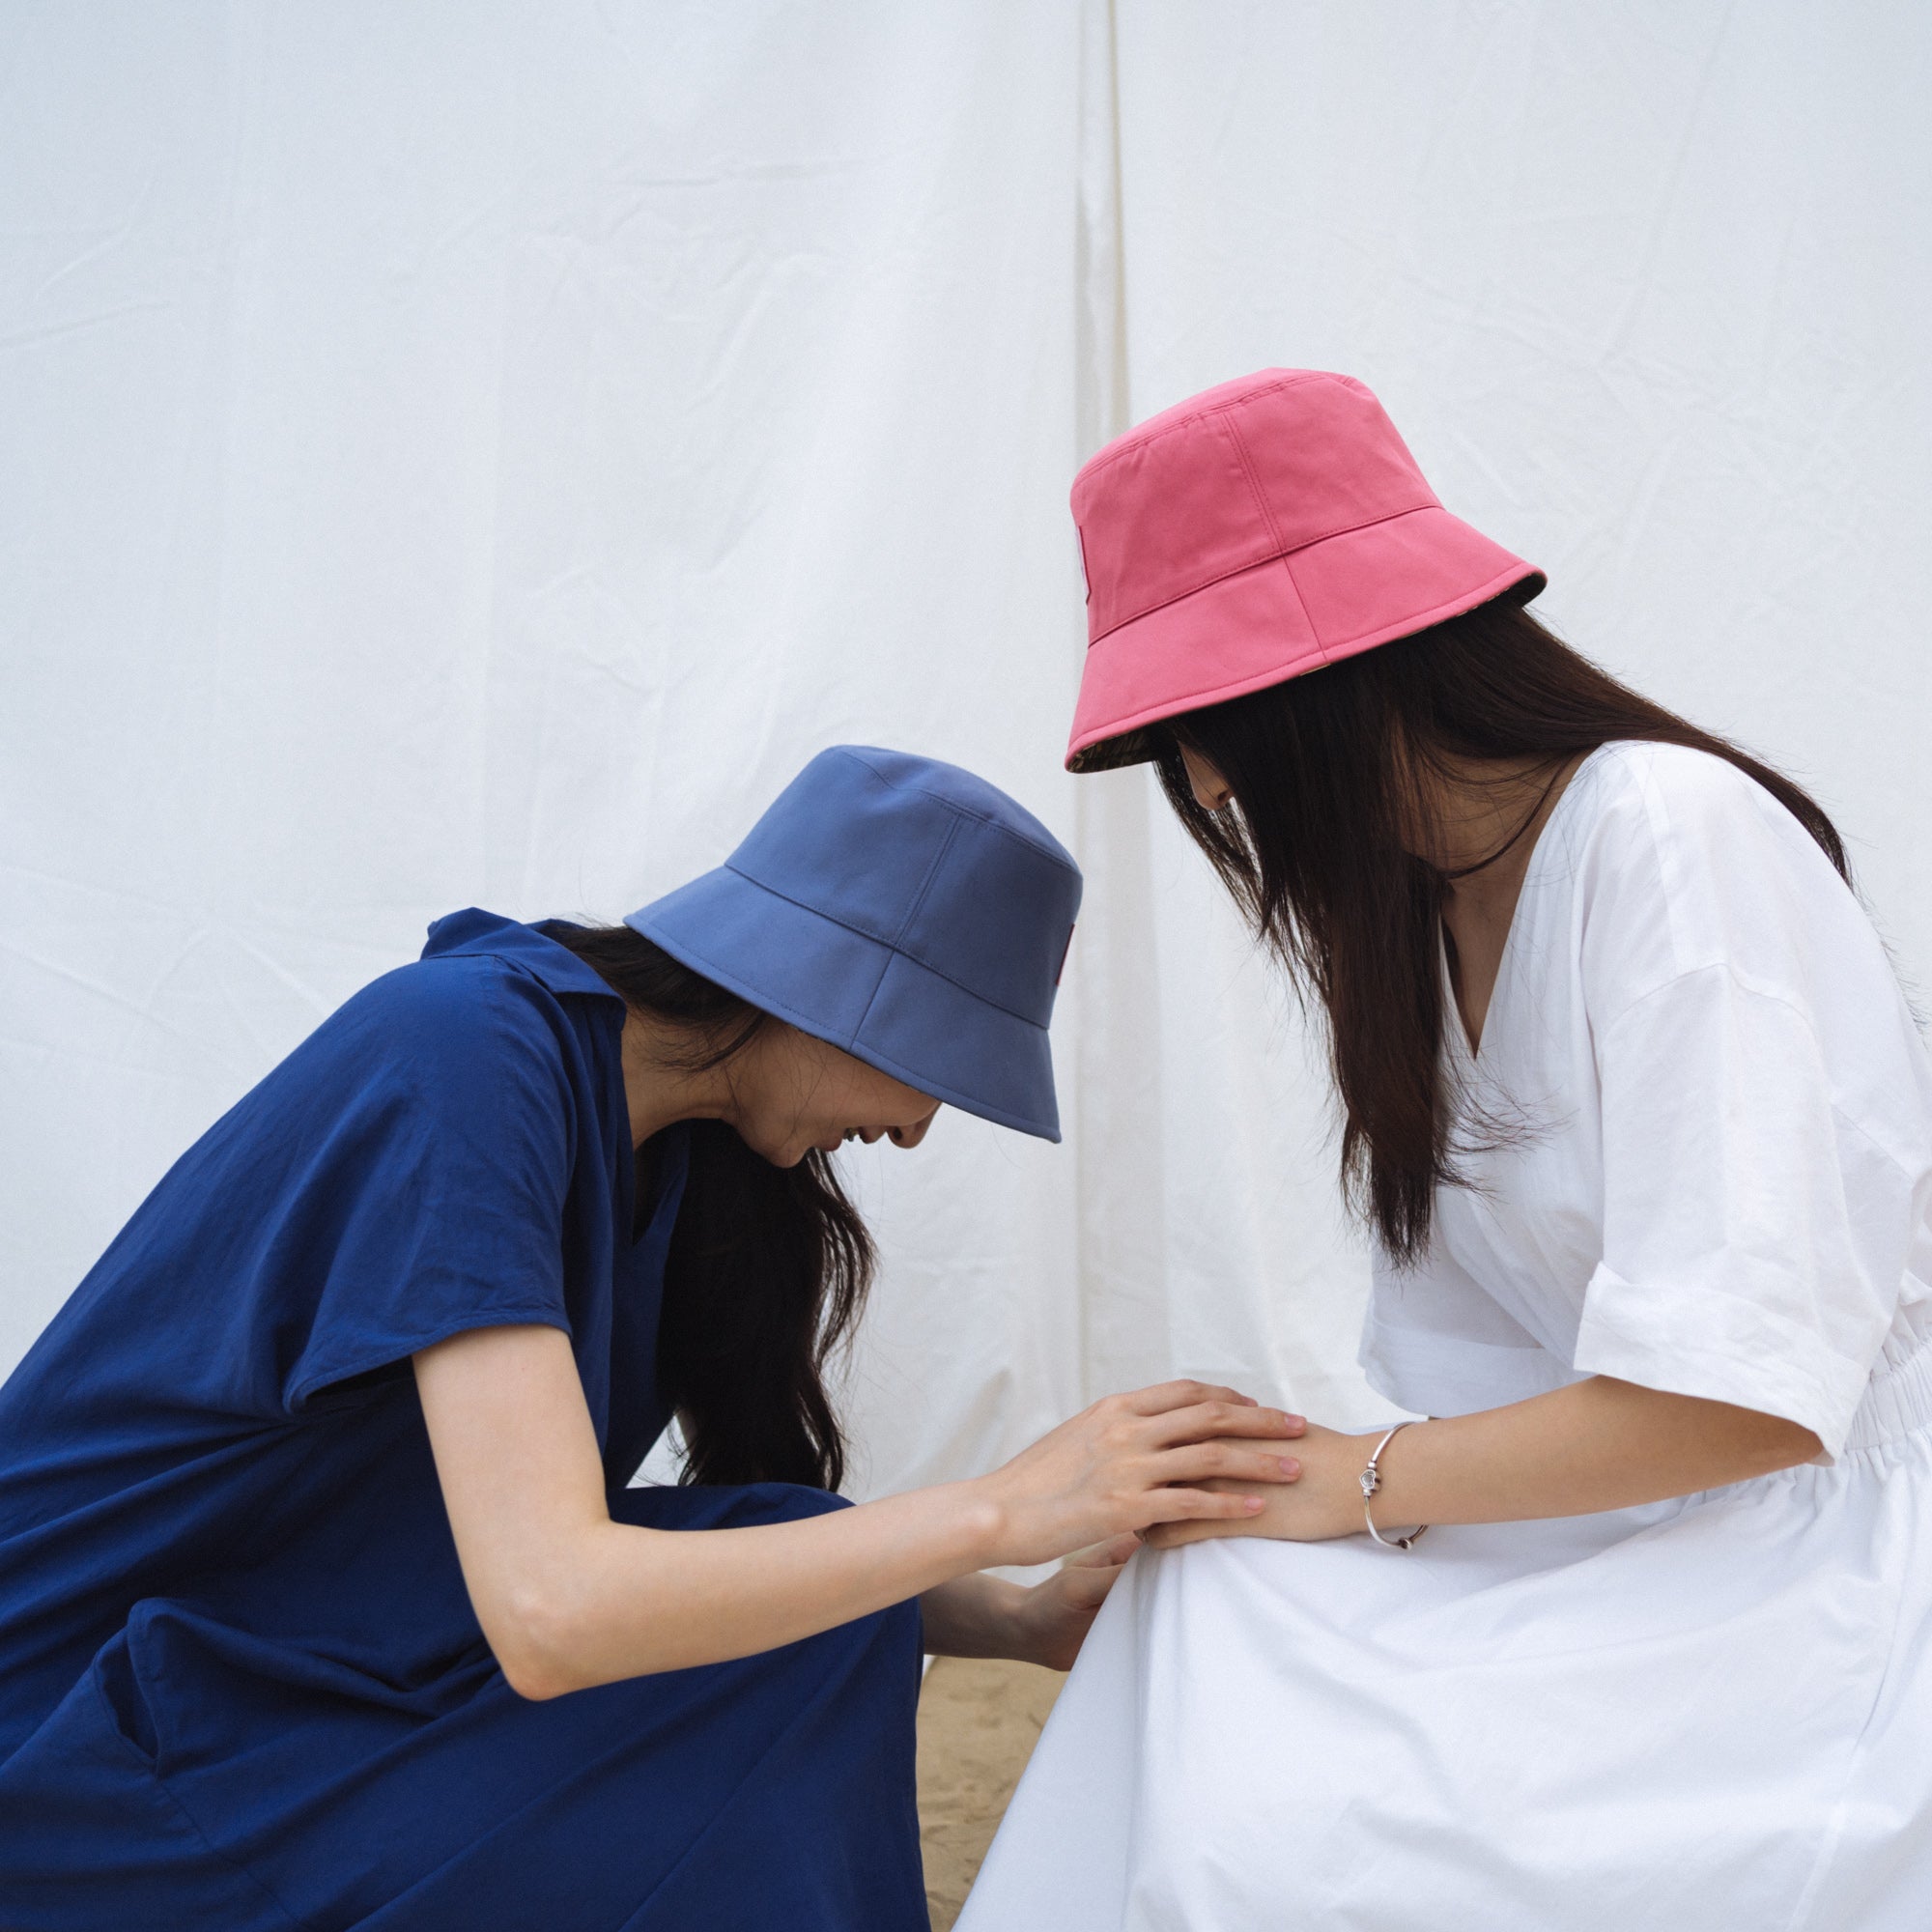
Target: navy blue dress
(240, 1681)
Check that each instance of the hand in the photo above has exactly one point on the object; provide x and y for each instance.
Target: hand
(1324, 1502)
(1132, 1460)
(1052, 1619)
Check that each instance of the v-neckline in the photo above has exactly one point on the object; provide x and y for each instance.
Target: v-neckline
(1472, 1049)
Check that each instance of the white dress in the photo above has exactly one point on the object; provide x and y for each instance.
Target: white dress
(1711, 1715)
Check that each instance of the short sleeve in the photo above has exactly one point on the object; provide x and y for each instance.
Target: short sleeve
(1764, 1110)
(432, 1199)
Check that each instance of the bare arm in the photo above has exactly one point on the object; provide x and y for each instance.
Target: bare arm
(568, 1598)
(987, 1616)
(1600, 1444)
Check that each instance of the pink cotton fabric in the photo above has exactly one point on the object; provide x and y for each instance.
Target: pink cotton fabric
(1259, 530)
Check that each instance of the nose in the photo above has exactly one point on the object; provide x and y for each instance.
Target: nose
(910, 1137)
(1212, 791)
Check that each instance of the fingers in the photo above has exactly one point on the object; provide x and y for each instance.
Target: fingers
(1171, 1535)
(1186, 1516)
(1085, 1589)
(1108, 1555)
(1163, 1396)
(1231, 1462)
(1201, 1506)
(1198, 1420)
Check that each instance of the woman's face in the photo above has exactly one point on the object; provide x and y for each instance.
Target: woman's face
(792, 1092)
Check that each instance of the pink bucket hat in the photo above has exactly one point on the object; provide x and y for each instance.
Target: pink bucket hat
(1255, 532)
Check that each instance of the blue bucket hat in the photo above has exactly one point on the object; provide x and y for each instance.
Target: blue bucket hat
(903, 910)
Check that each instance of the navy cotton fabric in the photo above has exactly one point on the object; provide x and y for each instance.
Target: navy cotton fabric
(240, 1683)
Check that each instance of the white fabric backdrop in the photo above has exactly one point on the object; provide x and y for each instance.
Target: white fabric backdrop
(475, 454)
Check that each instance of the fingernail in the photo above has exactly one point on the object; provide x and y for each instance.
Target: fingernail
(1253, 1502)
(1289, 1466)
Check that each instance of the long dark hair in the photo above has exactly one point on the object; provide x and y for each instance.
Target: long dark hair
(768, 1266)
(1317, 851)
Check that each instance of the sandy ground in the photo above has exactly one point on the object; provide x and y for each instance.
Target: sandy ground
(978, 1720)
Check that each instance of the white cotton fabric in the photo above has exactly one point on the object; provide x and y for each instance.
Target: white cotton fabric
(1712, 1712)
(473, 453)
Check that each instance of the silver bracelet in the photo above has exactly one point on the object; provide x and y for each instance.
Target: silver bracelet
(1371, 1481)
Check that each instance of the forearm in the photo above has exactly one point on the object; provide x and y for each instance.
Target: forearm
(974, 1616)
(1600, 1444)
(567, 1598)
(621, 1601)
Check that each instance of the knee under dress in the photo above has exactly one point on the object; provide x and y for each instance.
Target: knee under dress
(1715, 1713)
(240, 1683)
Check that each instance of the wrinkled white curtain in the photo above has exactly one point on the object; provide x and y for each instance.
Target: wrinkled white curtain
(475, 454)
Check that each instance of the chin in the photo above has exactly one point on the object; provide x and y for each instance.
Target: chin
(779, 1153)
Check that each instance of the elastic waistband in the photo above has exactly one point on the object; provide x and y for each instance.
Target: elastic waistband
(1897, 1401)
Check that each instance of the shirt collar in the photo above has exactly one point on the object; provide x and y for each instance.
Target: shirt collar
(473, 931)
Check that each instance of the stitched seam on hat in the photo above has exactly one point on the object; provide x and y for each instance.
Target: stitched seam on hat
(1261, 502)
(1453, 606)
(1307, 616)
(873, 998)
(1222, 576)
(1133, 441)
(918, 958)
(937, 859)
(1051, 853)
(897, 942)
(954, 1095)
(1321, 648)
(719, 971)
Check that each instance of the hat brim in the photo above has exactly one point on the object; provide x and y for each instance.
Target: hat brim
(861, 996)
(1282, 619)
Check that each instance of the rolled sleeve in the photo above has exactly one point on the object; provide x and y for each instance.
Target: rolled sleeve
(1753, 1238)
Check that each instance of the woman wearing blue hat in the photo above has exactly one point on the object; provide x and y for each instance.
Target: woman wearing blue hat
(323, 1597)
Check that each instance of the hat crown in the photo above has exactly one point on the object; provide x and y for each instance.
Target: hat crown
(1253, 534)
(929, 860)
(903, 910)
(1240, 474)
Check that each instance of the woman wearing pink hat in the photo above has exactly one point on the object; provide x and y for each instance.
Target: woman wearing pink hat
(1642, 1130)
